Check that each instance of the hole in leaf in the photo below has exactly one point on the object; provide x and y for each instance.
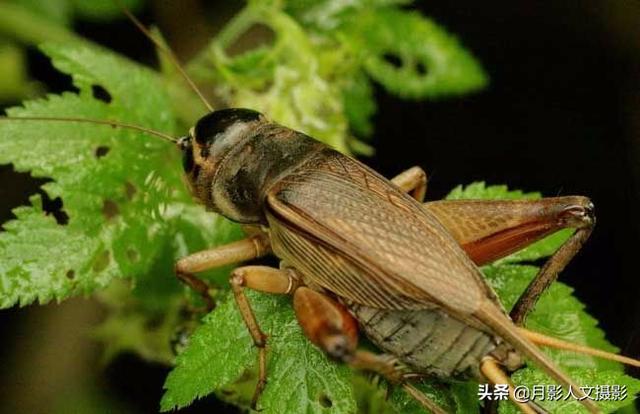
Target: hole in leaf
(22, 186)
(100, 93)
(393, 60)
(537, 262)
(101, 151)
(129, 190)
(54, 208)
(325, 401)
(133, 255)
(15, 190)
(256, 36)
(71, 274)
(110, 209)
(102, 261)
(41, 68)
(421, 68)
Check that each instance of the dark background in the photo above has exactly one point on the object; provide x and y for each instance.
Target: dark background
(561, 116)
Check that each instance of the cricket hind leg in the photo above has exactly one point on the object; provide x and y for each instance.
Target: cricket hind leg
(254, 246)
(329, 326)
(413, 181)
(492, 229)
(548, 274)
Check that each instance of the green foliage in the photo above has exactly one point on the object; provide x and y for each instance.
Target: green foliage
(123, 207)
(318, 80)
(459, 398)
(426, 61)
(301, 379)
(129, 214)
(92, 248)
(480, 191)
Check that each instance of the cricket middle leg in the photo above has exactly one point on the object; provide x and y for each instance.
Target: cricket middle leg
(255, 246)
(412, 181)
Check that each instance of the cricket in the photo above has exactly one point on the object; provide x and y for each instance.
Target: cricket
(364, 255)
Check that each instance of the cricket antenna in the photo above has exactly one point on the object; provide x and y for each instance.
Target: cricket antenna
(149, 131)
(167, 51)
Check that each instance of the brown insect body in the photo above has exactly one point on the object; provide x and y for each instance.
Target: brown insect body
(352, 234)
(431, 342)
(374, 235)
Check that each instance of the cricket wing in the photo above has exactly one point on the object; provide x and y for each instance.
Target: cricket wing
(370, 242)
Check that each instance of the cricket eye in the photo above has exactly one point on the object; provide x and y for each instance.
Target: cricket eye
(213, 125)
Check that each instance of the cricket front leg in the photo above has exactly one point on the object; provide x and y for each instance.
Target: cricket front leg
(330, 327)
(491, 229)
(252, 247)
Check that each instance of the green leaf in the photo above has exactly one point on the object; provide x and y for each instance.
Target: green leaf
(300, 378)
(414, 57)
(87, 184)
(123, 206)
(480, 191)
(456, 397)
(359, 104)
(40, 260)
(298, 95)
(371, 396)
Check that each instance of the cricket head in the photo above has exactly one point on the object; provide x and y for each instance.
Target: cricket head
(232, 156)
(206, 148)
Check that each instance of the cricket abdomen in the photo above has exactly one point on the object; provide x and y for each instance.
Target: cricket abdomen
(428, 341)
